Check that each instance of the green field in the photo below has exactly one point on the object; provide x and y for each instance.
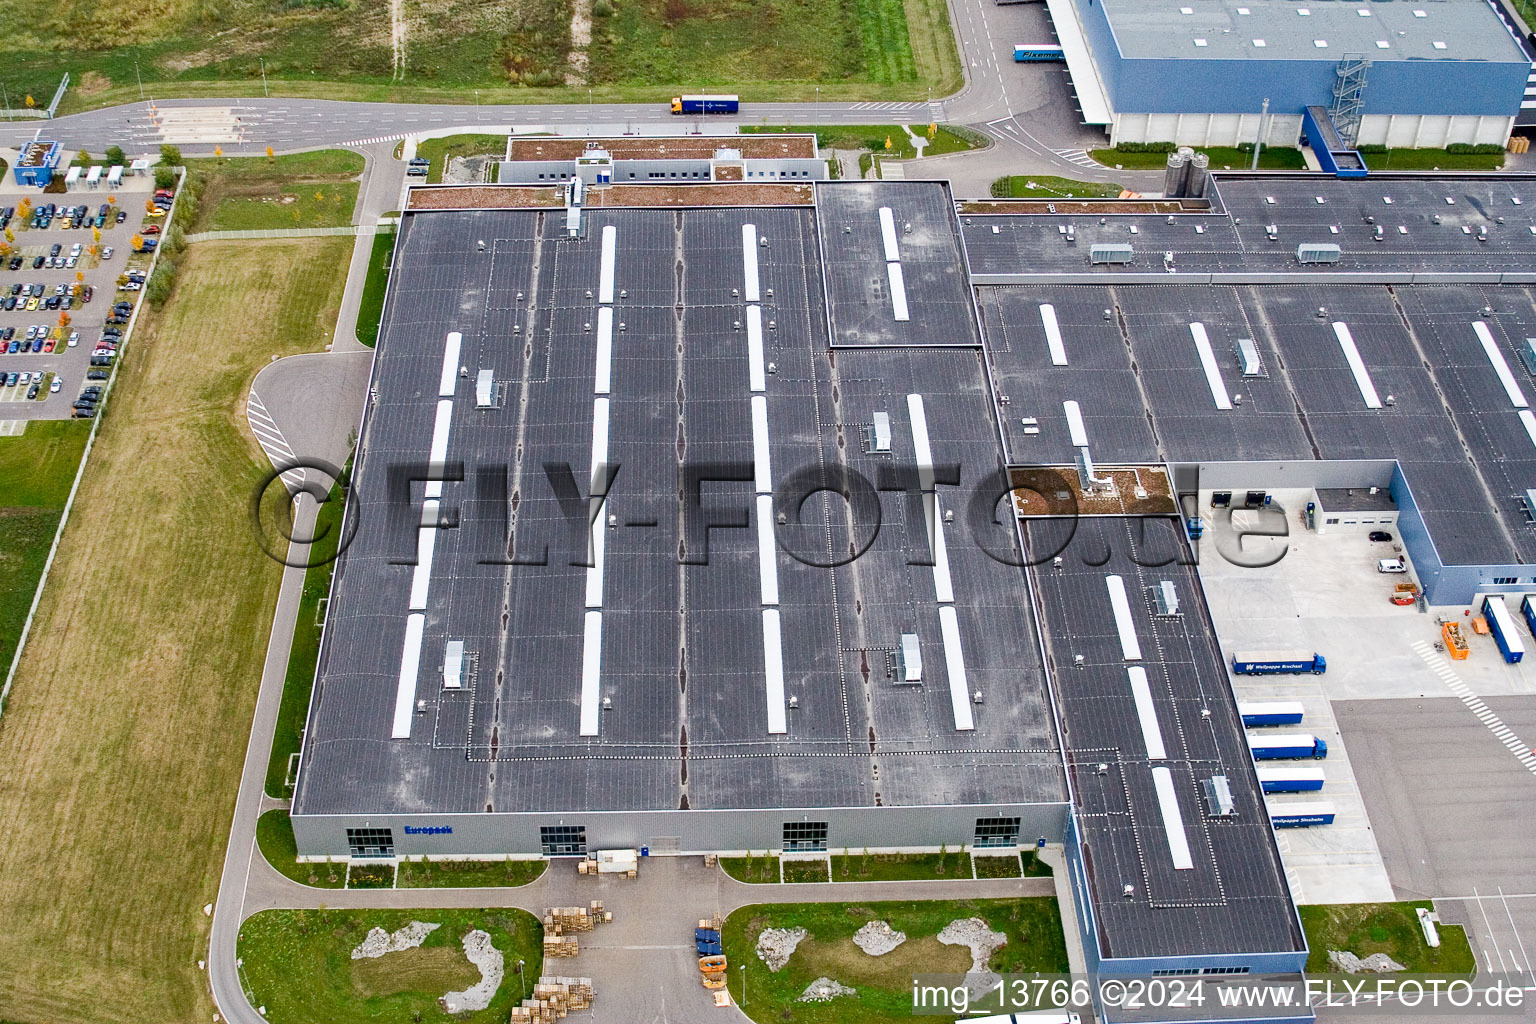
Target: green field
(274, 837)
(305, 651)
(38, 467)
(1276, 158)
(1390, 928)
(639, 50)
(466, 874)
(1432, 159)
(370, 308)
(889, 867)
(124, 737)
(298, 964)
(1045, 186)
(253, 193)
(884, 984)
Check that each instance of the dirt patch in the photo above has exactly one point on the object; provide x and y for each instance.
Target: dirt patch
(91, 83)
(581, 38)
(840, 958)
(436, 969)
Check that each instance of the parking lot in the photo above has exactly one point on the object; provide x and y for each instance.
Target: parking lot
(68, 358)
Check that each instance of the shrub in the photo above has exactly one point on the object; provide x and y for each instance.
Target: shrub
(1480, 149)
(1371, 147)
(602, 9)
(1146, 147)
(158, 288)
(170, 155)
(165, 177)
(115, 155)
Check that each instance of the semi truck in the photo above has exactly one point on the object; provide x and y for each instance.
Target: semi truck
(1317, 812)
(1268, 663)
(1275, 713)
(1502, 625)
(1037, 53)
(1298, 745)
(706, 104)
(1291, 779)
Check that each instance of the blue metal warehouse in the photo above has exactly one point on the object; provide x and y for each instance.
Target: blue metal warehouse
(1197, 72)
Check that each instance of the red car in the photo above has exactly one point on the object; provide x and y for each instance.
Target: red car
(48, 345)
(150, 229)
(164, 193)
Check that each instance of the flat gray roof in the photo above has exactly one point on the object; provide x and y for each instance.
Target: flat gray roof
(1292, 29)
(683, 658)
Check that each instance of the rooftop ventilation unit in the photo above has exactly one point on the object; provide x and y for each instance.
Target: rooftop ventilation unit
(1167, 598)
(1110, 252)
(1248, 358)
(1530, 505)
(453, 665)
(1218, 796)
(1527, 350)
(1317, 252)
(909, 660)
(485, 390)
(878, 435)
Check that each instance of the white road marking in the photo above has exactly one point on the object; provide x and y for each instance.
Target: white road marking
(1495, 725)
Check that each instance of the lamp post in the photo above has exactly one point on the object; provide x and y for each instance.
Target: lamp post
(140, 79)
(743, 984)
(263, 76)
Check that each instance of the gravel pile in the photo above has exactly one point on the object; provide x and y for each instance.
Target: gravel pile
(379, 942)
(478, 951)
(824, 989)
(776, 945)
(1376, 963)
(973, 932)
(878, 938)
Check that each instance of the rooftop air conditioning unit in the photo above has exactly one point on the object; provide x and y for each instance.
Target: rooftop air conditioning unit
(1317, 252)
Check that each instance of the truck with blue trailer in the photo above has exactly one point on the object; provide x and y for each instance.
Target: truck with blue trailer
(716, 104)
(1273, 713)
(1502, 625)
(1037, 53)
(1528, 609)
(1316, 812)
(1292, 746)
(1290, 779)
(1269, 663)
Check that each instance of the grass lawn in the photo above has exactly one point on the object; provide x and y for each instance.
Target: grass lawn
(751, 869)
(440, 151)
(464, 874)
(305, 651)
(274, 837)
(124, 736)
(1390, 928)
(805, 871)
(1277, 158)
(298, 964)
(371, 875)
(1430, 159)
(370, 309)
(1046, 186)
(884, 984)
(887, 867)
(871, 137)
(301, 190)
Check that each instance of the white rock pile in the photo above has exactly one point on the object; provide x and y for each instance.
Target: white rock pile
(478, 951)
(824, 989)
(776, 945)
(878, 938)
(973, 932)
(379, 942)
(1376, 963)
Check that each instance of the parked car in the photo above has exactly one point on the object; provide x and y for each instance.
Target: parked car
(85, 414)
(106, 253)
(56, 385)
(32, 391)
(1381, 536)
(1391, 565)
(122, 215)
(10, 379)
(97, 375)
(37, 262)
(150, 229)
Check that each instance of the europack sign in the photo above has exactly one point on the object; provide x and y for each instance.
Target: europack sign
(429, 830)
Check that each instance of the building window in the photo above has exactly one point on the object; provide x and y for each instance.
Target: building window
(805, 835)
(1333, 520)
(997, 832)
(1505, 581)
(1175, 972)
(563, 840)
(371, 842)
(1223, 970)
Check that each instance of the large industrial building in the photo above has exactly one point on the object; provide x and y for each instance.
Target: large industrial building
(731, 517)
(1399, 73)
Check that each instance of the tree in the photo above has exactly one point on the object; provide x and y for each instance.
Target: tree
(63, 321)
(165, 177)
(79, 277)
(170, 156)
(888, 143)
(158, 288)
(95, 234)
(24, 207)
(269, 154)
(115, 155)
(933, 130)
(149, 206)
(138, 243)
(10, 236)
(84, 157)
(218, 151)
(30, 101)
(112, 200)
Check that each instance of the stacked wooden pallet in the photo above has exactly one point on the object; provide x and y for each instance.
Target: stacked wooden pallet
(553, 998)
(559, 945)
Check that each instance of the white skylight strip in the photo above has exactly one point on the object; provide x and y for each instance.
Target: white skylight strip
(898, 292)
(595, 570)
(604, 349)
(762, 471)
(1075, 425)
(954, 668)
(773, 658)
(943, 585)
(756, 373)
(426, 544)
(596, 496)
(1130, 647)
(1208, 363)
(1053, 334)
(1146, 711)
(1500, 367)
(1173, 819)
(439, 452)
(921, 448)
(591, 671)
(410, 665)
(450, 377)
(605, 272)
(749, 259)
(767, 550)
(1528, 420)
(1356, 365)
(888, 235)
(598, 482)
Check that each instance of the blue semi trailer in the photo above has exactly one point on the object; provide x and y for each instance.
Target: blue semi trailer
(1276, 713)
(1291, 779)
(705, 104)
(1502, 625)
(1318, 812)
(1265, 663)
(1274, 748)
(1037, 53)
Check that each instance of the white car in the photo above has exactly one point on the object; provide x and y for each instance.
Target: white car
(106, 253)
(74, 338)
(58, 383)
(1391, 565)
